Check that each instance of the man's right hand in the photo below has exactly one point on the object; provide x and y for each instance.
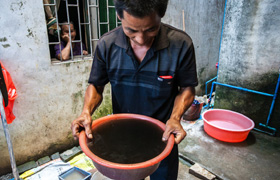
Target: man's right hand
(83, 122)
(93, 99)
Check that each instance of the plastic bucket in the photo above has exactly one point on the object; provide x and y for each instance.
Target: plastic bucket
(120, 171)
(226, 125)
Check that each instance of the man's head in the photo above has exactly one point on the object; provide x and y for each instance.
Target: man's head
(141, 19)
(141, 8)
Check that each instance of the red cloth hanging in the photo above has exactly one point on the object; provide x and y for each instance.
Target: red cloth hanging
(12, 94)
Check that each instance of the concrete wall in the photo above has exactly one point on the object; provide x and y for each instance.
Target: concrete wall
(203, 22)
(250, 58)
(50, 96)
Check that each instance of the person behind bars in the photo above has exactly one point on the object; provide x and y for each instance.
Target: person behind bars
(65, 44)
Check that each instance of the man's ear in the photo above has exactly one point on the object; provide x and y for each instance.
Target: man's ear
(119, 17)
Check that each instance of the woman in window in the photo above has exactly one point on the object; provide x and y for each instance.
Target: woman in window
(65, 44)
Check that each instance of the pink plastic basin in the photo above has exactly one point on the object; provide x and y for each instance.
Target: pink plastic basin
(226, 125)
(120, 171)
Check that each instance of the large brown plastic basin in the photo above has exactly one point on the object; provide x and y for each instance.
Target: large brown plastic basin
(118, 171)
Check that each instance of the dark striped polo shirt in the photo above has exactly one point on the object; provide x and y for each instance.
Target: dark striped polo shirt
(150, 87)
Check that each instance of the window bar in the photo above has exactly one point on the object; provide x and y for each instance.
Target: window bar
(70, 38)
(53, 43)
(97, 25)
(80, 29)
(92, 6)
(104, 23)
(108, 25)
(116, 19)
(89, 26)
(98, 19)
(57, 25)
(113, 7)
(73, 5)
(58, 31)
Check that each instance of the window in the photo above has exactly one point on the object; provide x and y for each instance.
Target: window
(90, 18)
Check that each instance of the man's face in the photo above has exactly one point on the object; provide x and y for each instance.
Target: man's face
(141, 31)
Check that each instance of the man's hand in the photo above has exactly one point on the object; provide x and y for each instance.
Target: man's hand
(174, 127)
(182, 102)
(93, 99)
(82, 122)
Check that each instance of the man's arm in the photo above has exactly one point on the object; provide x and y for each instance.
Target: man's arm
(93, 98)
(182, 102)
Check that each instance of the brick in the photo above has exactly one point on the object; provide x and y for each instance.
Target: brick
(200, 172)
(43, 160)
(55, 156)
(7, 176)
(26, 166)
(69, 154)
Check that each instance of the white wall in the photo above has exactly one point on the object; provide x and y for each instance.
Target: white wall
(203, 22)
(49, 96)
(250, 58)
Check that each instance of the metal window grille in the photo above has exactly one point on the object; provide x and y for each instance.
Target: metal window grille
(91, 18)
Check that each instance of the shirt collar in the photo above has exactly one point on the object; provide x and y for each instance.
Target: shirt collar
(121, 39)
(161, 40)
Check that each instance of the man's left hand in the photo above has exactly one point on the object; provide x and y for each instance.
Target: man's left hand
(174, 127)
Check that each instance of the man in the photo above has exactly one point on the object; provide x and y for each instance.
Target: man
(65, 44)
(152, 71)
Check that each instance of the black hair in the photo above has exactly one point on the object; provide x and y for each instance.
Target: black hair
(140, 8)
